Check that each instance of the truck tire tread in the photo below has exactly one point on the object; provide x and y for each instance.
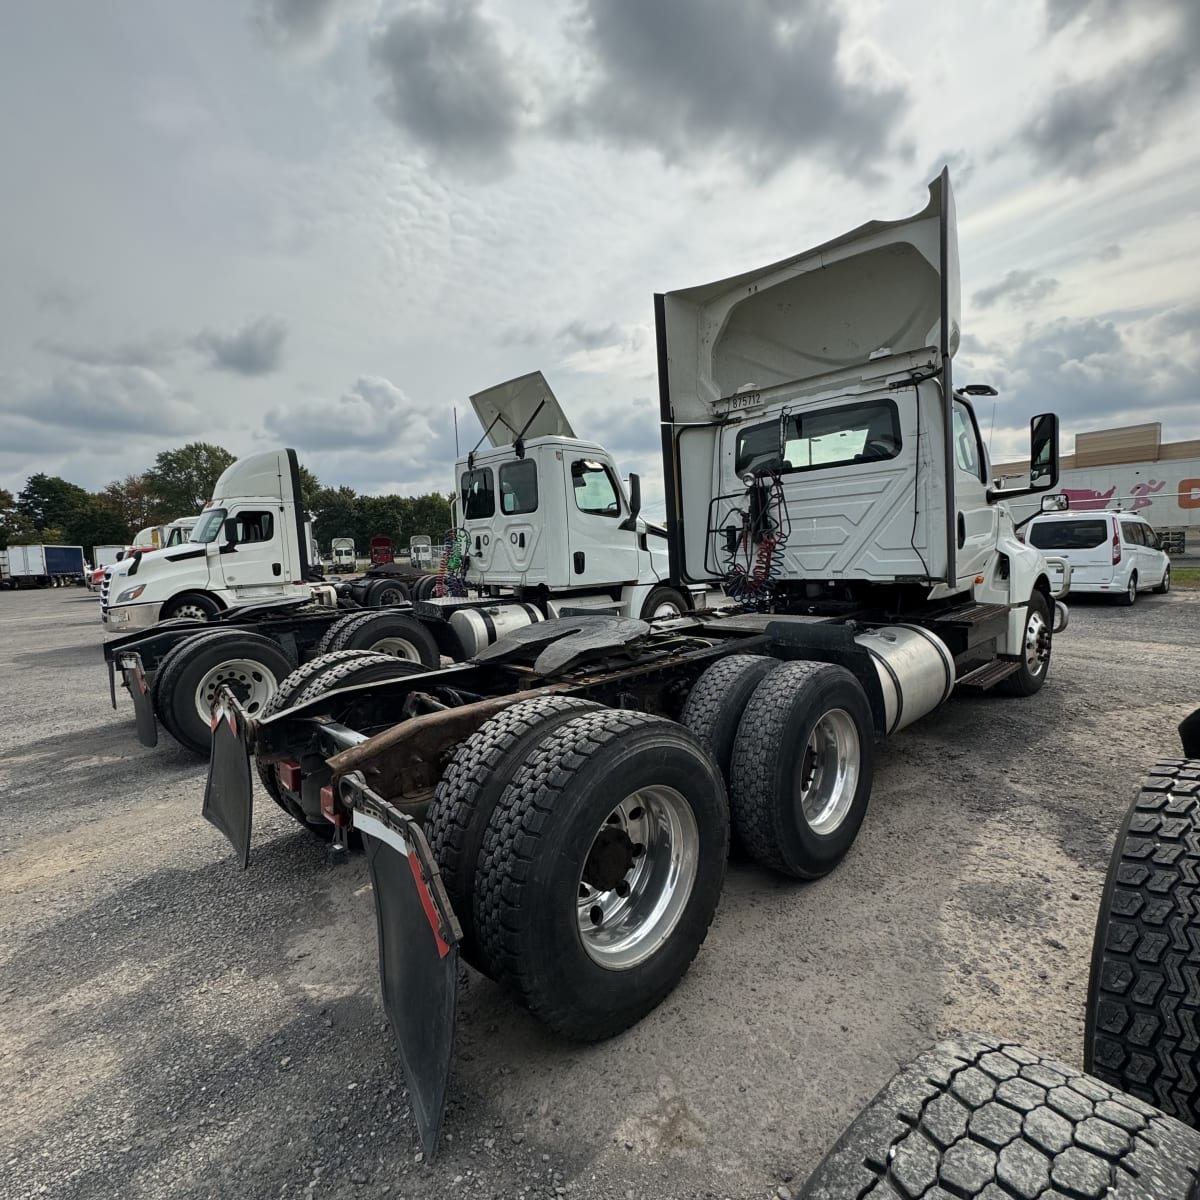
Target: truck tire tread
(1142, 1031)
(171, 678)
(470, 788)
(771, 730)
(544, 794)
(979, 1117)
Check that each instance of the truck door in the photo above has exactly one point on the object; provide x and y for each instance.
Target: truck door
(517, 526)
(477, 492)
(600, 552)
(975, 519)
(260, 563)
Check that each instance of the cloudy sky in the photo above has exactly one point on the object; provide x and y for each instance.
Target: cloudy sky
(323, 223)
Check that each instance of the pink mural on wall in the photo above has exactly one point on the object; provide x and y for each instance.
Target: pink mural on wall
(1141, 492)
(1088, 499)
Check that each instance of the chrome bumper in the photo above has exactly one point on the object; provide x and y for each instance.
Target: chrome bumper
(124, 618)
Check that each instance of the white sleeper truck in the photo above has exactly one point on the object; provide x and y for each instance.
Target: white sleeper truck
(557, 810)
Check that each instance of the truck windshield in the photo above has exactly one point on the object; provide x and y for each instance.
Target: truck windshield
(1068, 535)
(209, 526)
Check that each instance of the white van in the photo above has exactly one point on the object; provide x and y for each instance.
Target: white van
(1112, 554)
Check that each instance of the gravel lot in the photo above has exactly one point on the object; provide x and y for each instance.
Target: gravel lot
(174, 1027)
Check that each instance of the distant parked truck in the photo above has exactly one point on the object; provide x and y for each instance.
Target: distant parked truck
(102, 556)
(345, 561)
(382, 551)
(42, 566)
(420, 551)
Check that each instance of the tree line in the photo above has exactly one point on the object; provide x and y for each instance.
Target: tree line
(53, 510)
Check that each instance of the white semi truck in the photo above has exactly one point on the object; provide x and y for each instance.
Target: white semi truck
(559, 534)
(558, 810)
(342, 559)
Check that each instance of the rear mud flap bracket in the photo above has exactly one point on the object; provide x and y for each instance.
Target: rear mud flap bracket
(228, 792)
(418, 949)
(134, 675)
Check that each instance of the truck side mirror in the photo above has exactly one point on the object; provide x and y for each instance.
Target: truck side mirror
(231, 532)
(1043, 452)
(635, 502)
(1059, 502)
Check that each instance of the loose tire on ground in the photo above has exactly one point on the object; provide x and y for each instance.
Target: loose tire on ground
(614, 816)
(472, 785)
(1142, 1031)
(193, 606)
(978, 1117)
(1036, 647)
(396, 634)
(251, 664)
(803, 762)
(664, 602)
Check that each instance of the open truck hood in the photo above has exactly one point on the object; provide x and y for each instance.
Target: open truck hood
(879, 299)
(524, 406)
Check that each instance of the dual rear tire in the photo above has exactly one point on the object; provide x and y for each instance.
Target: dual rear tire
(795, 742)
(583, 850)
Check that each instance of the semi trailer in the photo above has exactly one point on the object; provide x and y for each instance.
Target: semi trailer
(39, 566)
(241, 606)
(557, 810)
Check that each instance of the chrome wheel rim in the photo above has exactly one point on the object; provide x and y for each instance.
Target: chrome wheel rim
(391, 596)
(397, 647)
(249, 681)
(1037, 643)
(637, 877)
(191, 612)
(828, 771)
(1132, 589)
(667, 608)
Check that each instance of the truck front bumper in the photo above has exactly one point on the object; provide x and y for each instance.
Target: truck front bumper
(125, 618)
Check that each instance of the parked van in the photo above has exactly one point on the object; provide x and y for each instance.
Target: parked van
(1111, 554)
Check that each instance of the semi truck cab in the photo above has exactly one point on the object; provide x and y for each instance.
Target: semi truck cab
(248, 546)
(545, 511)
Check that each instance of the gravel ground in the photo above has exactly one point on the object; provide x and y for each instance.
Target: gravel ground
(175, 1027)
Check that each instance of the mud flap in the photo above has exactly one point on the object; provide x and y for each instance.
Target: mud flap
(228, 792)
(112, 683)
(139, 691)
(418, 950)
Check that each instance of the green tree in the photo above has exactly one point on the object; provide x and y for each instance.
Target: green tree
(310, 488)
(130, 499)
(181, 481)
(15, 529)
(46, 503)
(95, 521)
(333, 512)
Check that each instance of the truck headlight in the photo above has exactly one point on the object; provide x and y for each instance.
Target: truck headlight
(129, 595)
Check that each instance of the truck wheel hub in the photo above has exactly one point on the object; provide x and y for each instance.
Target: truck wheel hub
(609, 860)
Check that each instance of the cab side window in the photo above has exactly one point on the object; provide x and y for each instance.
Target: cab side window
(1131, 532)
(968, 454)
(518, 487)
(594, 488)
(255, 526)
(478, 496)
